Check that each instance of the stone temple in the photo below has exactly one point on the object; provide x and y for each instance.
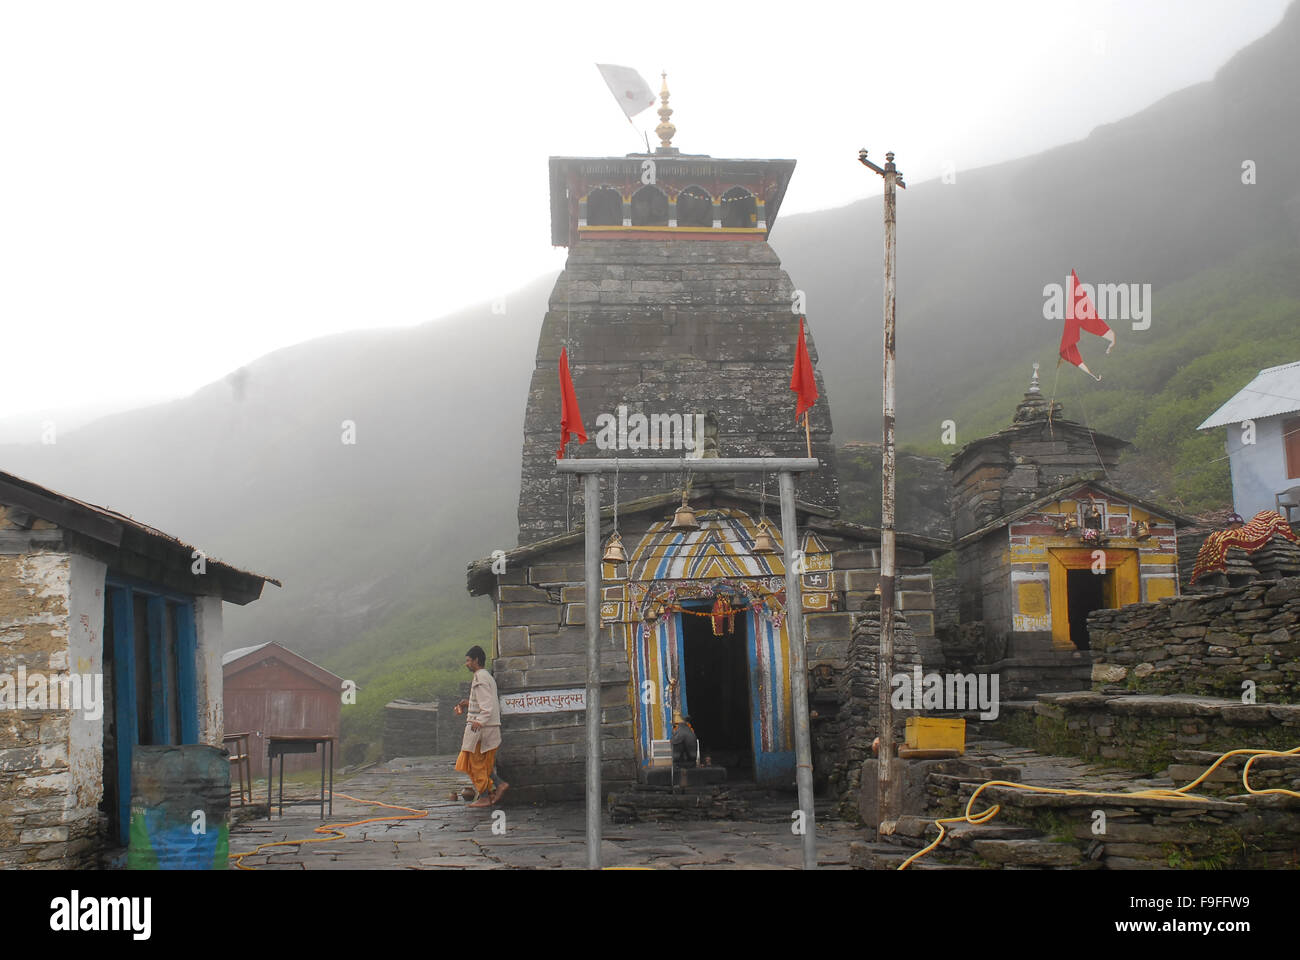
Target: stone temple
(680, 328)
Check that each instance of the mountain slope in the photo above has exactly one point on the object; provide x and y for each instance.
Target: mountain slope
(371, 538)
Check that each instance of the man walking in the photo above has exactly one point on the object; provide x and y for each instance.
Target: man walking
(482, 737)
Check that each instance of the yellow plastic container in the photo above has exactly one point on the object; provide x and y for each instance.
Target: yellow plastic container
(936, 733)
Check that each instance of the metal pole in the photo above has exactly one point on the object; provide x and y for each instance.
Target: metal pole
(591, 504)
(798, 670)
(678, 464)
(885, 760)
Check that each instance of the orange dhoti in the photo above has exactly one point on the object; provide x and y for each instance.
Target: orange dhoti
(478, 764)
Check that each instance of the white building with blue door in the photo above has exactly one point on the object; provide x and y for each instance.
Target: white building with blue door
(110, 638)
(1263, 441)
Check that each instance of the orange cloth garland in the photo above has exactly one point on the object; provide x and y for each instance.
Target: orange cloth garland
(1262, 528)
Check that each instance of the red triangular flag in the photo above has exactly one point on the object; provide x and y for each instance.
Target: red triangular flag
(1080, 314)
(570, 416)
(802, 380)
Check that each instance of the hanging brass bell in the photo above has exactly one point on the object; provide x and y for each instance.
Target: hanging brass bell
(614, 550)
(763, 542)
(684, 518)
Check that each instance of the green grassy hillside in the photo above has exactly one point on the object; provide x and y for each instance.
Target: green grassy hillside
(418, 654)
(1210, 334)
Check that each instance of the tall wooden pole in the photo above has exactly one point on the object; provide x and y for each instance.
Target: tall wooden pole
(886, 787)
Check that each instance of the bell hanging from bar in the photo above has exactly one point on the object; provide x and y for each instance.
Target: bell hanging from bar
(763, 543)
(684, 518)
(614, 550)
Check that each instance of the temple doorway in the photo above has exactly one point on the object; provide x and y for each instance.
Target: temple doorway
(716, 687)
(1085, 592)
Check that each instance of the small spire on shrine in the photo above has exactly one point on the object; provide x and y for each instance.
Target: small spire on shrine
(1035, 406)
(665, 130)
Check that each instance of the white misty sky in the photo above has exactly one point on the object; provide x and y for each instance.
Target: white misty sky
(185, 186)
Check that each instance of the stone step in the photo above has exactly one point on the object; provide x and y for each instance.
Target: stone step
(1202, 759)
(702, 776)
(864, 855)
(963, 834)
(1028, 853)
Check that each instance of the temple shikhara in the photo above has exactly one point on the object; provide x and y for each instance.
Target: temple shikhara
(680, 329)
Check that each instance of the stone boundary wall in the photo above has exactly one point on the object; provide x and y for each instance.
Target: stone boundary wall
(1141, 732)
(1204, 644)
(1243, 833)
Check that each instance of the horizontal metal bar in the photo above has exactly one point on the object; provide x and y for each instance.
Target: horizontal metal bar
(702, 465)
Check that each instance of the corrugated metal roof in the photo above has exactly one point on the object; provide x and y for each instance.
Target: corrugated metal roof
(234, 655)
(296, 661)
(1272, 392)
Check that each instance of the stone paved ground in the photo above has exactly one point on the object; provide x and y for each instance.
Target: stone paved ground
(543, 837)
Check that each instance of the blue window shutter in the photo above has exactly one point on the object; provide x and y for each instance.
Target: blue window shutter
(187, 672)
(160, 710)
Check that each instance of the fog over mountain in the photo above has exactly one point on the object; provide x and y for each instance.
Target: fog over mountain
(253, 468)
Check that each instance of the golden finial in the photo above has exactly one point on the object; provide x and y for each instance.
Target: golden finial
(665, 130)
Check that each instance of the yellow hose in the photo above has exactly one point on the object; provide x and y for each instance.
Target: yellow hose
(332, 830)
(985, 816)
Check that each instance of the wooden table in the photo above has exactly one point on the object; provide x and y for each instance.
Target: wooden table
(278, 746)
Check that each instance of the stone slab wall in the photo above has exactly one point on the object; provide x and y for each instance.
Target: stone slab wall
(48, 815)
(540, 644)
(1243, 833)
(1141, 732)
(669, 327)
(411, 730)
(849, 706)
(1204, 644)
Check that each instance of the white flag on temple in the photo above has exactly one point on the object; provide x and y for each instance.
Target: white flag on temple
(628, 87)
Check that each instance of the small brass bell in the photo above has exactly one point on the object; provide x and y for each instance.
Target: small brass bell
(684, 518)
(763, 543)
(614, 550)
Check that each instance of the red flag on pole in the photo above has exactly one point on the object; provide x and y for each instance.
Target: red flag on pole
(1080, 314)
(570, 415)
(802, 380)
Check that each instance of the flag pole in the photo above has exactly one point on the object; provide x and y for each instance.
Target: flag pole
(807, 430)
(887, 795)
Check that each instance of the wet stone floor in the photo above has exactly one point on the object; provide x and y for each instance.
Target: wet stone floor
(552, 836)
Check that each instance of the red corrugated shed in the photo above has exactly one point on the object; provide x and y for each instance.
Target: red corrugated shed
(272, 690)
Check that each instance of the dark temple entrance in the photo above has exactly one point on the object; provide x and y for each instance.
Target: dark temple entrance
(1086, 592)
(716, 694)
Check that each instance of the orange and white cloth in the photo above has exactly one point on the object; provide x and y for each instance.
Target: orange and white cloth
(1263, 527)
(478, 764)
(484, 710)
(478, 748)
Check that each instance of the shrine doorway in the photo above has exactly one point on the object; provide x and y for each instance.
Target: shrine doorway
(715, 688)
